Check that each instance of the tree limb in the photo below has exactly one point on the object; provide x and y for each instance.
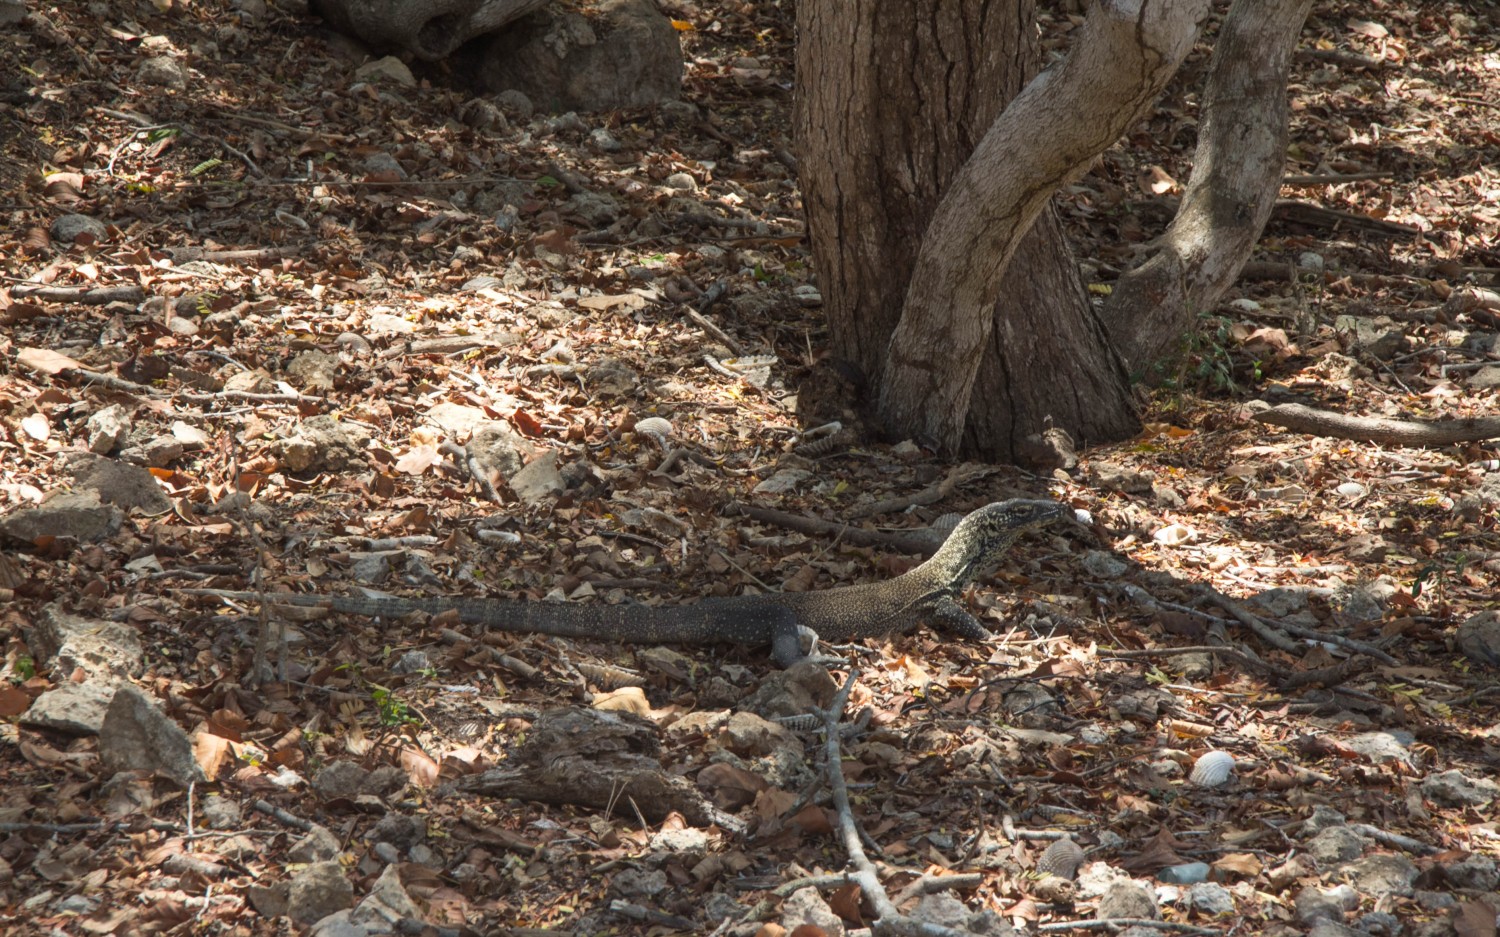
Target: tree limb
(1303, 419)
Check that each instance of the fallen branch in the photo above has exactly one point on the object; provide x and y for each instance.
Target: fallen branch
(920, 543)
(1303, 419)
(90, 295)
(888, 919)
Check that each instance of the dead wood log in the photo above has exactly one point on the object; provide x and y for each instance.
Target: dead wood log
(1303, 419)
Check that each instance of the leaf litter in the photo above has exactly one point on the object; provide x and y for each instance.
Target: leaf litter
(253, 272)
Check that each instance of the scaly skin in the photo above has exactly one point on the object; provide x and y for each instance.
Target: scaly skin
(788, 621)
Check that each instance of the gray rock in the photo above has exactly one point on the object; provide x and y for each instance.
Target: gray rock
(1456, 789)
(341, 779)
(1102, 564)
(1112, 477)
(603, 141)
(806, 906)
(412, 662)
(1335, 845)
(12, 12)
(399, 830)
(127, 487)
(1363, 601)
(66, 229)
(1211, 898)
(107, 428)
(612, 377)
(67, 642)
(387, 903)
(324, 444)
(1435, 900)
(1126, 900)
(157, 452)
(1323, 817)
(516, 102)
(1384, 745)
(162, 70)
(1475, 872)
(638, 883)
(386, 781)
(1379, 338)
(72, 708)
(269, 901)
(318, 891)
(319, 845)
(784, 480)
(1379, 924)
(539, 480)
(1485, 378)
(497, 448)
(1317, 904)
(1333, 929)
(942, 909)
(1382, 875)
(1366, 548)
(1479, 638)
(624, 53)
(316, 372)
(342, 924)
(390, 70)
(221, 813)
(386, 853)
(138, 736)
(1281, 601)
(75, 515)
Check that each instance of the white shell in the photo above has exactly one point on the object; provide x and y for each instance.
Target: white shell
(945, 524)
(1062, 859)
(1175, 535)
(1212, 769)
(654, 426)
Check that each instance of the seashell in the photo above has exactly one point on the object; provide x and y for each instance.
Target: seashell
(1062, 859)
(945, 524)
(1212, 769)
(655, 427)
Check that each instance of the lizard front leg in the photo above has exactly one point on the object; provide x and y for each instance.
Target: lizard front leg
(949, 615)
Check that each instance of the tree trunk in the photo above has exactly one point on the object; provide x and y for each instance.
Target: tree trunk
(919, 191)
(1237, 167)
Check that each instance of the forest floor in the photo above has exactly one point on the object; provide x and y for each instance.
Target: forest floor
(306, 242)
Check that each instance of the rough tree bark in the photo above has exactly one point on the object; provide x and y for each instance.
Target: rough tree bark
(1237, 167)
(968, 320)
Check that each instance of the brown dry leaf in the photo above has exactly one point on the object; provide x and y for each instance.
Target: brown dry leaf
(46, 361)
(419, 767)
(814, 819)
(1240, 863)
(630, 699)
(418, 459)
(1475, 919)
(729, 786)
(1156, 853)
(13, 701)
(845, 903)
(212, 752)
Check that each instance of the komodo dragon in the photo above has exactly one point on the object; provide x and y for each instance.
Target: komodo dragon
(791, 622)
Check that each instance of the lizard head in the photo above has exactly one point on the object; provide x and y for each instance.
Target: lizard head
(979, 540)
